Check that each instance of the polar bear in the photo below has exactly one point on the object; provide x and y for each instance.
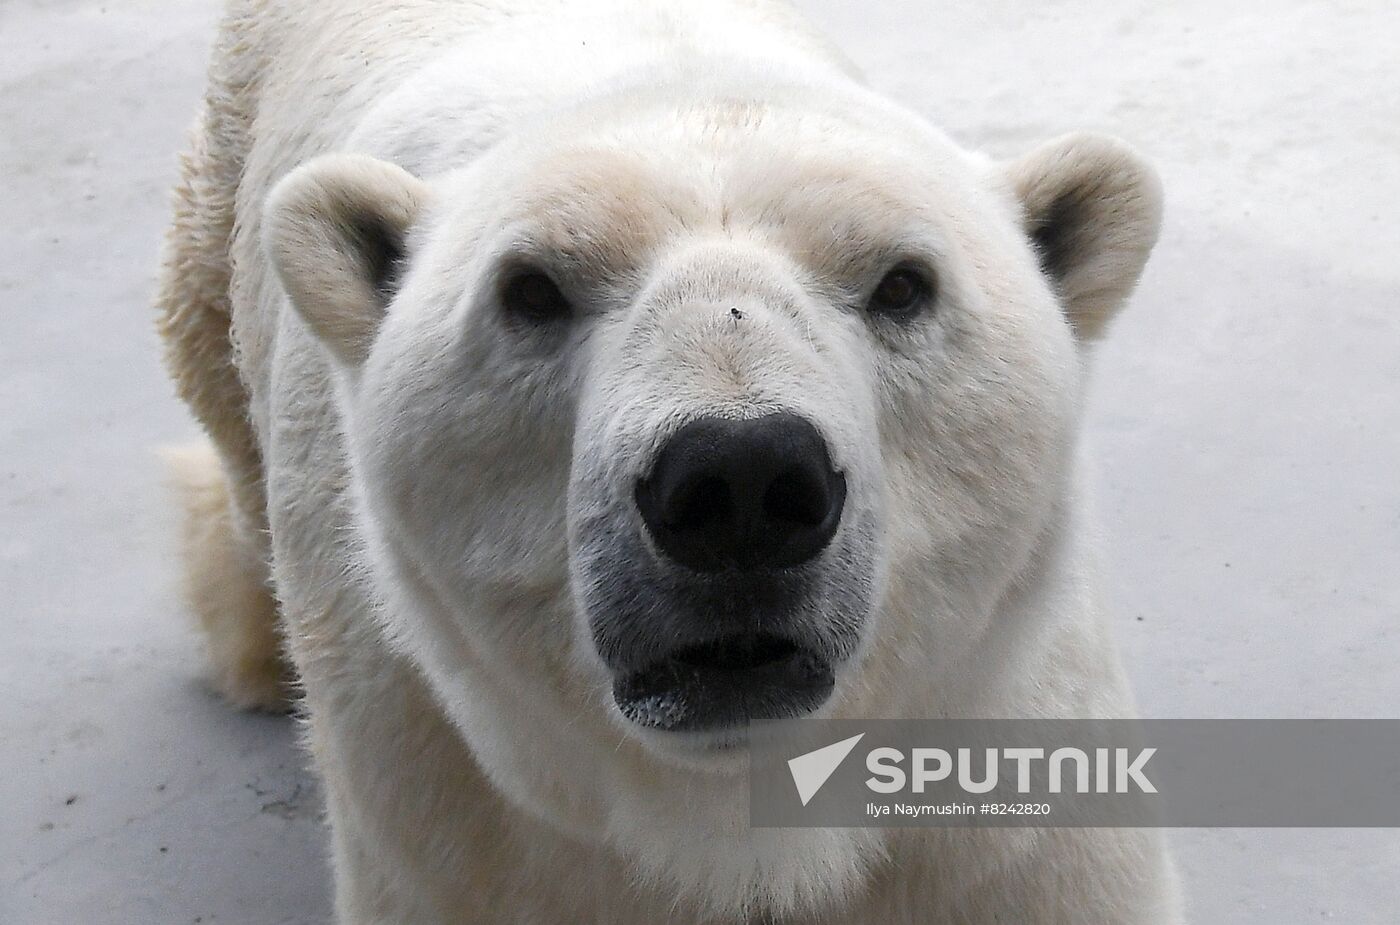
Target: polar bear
(586, 380)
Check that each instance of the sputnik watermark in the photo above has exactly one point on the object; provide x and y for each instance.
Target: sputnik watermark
(1116, 770)
(1126, 773)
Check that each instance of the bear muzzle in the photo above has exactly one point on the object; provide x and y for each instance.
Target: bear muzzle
(722, 603)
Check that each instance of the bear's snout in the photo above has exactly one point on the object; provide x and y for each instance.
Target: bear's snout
(744, 495)
(732, 579)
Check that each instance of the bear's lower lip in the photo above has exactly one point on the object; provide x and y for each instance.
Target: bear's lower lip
(725, 682)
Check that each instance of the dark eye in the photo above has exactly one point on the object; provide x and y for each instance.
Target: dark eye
(533, 297)
(902, 292)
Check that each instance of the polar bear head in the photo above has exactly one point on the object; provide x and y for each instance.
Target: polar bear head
(664, 419)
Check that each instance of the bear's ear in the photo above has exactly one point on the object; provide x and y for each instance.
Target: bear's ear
(336, 231)
(1092, 208)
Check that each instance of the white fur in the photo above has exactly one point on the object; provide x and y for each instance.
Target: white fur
(434, 477)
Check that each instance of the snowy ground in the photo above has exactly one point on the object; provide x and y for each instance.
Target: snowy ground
(1244, 417)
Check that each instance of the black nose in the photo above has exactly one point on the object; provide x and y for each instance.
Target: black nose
(757, 494)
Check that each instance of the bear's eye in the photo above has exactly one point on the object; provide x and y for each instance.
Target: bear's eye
(531, 296)
(902, 292)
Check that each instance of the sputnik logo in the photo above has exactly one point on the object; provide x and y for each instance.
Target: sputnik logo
(812, 770)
